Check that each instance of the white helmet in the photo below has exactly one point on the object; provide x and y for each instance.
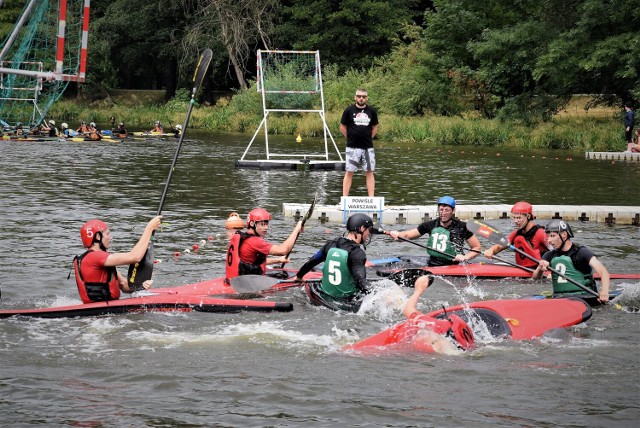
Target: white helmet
(64, 125)
(52, 122)
(92, 124)
(179, 127)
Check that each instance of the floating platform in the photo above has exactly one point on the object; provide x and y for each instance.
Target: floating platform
(416, 214)
(623, 156)
(292, 164)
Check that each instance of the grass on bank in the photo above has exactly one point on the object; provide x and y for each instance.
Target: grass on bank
(573, 129)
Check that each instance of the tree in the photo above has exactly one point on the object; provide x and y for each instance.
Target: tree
(348, 33)
(241, 27)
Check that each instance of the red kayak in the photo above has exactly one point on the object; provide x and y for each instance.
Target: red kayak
(218, 286)
(161, 303)
(481, 270)
(515, 319)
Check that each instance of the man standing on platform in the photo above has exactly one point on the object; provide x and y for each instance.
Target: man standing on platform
(629, 121)
(359, 124)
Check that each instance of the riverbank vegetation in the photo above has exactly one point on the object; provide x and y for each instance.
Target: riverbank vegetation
(439, 72)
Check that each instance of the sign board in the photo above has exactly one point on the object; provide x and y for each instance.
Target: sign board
(361, 204)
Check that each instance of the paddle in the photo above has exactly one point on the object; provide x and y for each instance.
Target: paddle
(505, 261)
(408, 277)
(257, 283)
(381, 231)
(496, 237)
(306, 217)
(142, 271)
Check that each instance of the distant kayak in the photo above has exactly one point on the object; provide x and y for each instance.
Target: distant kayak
(520, 319)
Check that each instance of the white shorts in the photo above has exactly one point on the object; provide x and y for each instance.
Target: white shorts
(356, 157)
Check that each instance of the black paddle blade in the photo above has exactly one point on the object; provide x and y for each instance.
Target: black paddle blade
(307, 216)
(252, 283)
(377, 229)
(488, 232)
(408, 277)
(201, 69)
(142, 271)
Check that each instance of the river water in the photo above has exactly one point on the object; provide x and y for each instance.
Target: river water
(286, 369)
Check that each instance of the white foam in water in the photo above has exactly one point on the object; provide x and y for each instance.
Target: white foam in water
(384, 302)
(264, 333)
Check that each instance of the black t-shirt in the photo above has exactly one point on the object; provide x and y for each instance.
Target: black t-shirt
(359, 123)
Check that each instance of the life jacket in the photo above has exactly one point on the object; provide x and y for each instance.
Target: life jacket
(337, 280)
(234, 265)
(452, 326)
(564, 265)
(524, 242)
(440, 239)
(96, 291)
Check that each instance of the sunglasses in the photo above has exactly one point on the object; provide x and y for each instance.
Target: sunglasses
(362, 96)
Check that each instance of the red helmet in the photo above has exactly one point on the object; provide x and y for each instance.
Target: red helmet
(258, 214)
(89, 229)
(522, 208)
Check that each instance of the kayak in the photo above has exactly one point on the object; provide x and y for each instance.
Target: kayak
(588, 298)
(154, 134)
(478, 270)
(520, 319)
(317, 297)
(160, 303)
(218, 286)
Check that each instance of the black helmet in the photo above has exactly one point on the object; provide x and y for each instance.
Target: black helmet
(558, 226)
(357, 220)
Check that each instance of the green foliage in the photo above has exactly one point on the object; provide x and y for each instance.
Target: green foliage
(348, 33)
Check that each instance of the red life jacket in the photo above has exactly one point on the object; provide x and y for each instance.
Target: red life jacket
(96, 291)
(235, 266)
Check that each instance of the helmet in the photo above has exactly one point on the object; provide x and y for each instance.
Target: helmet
(522, 208)
(52, 122)
(461, 332)
(358, 220)
(179, 127)
(258, 214)
(447, 200)
(64, 125)
(234, 222)
(558, 226)
(92, 124)
(157, 122)
(121, 124)
(89, 229)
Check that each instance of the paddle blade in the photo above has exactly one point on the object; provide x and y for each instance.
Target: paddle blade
(142, 271)
(378, 230)
(252, 283)
(408, 277)
(201, 69)
(307, 216)
(488, 232)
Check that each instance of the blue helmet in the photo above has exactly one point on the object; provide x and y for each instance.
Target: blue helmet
(447, 200)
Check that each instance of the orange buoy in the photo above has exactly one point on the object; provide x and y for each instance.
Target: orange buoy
(234, 221)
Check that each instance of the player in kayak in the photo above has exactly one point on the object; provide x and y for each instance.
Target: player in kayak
(574, 261)
(95, 270)
(528, 236)
(344, 280)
